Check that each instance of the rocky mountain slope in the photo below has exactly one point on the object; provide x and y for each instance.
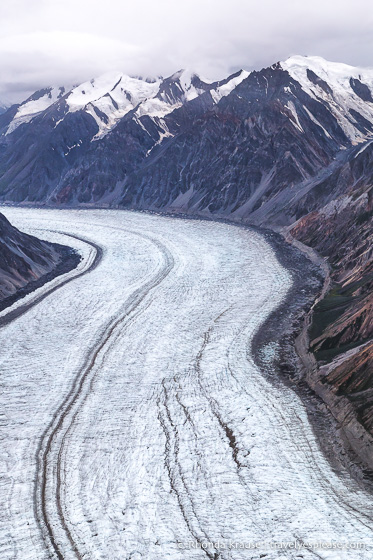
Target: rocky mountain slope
(27, 262)
(342, 329)
(289, 147)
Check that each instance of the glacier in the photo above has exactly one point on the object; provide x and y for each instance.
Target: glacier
(135, 423)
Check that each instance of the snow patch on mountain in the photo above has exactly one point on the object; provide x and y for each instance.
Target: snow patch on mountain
(177, 90)
(314, 120)
(162, 136)
(291, 107)
(185, 79)
(156, 108)
(363, 148)
(226, 89)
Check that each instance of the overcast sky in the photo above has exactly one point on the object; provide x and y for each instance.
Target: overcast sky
(45, 42)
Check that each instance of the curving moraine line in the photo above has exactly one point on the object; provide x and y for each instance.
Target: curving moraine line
(48, 481)
(22, 309)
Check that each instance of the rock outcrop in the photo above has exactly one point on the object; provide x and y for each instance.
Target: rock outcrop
(26, 262)
(342, 328)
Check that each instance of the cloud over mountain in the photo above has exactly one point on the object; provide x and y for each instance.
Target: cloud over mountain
(73, 41)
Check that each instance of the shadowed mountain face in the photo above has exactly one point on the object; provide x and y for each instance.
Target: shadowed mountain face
(288, 146)
(342, 230)
(27, 262)
(249, 147)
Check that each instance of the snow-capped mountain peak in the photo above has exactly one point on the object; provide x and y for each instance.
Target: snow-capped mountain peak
(35, 104)
(347, 89)
(337, 71)
(109, 97)
(336, 74)
(120, 87)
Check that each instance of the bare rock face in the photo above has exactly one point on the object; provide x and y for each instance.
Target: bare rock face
(27, 262)
(342, 329)
(342, 230)
(354, 378)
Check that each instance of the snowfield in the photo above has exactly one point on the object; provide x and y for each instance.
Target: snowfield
(134, 422)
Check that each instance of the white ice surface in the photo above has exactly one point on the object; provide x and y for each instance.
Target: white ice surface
(161, 428)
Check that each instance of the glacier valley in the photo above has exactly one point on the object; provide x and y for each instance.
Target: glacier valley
(135, 423)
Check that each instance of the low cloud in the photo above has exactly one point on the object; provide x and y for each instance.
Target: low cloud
(62, 42)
